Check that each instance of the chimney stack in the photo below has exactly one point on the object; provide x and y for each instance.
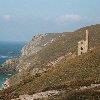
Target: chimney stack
(87, 35)
(87, 39)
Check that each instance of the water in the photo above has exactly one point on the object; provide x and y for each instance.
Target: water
(9, 50)
(3, 77)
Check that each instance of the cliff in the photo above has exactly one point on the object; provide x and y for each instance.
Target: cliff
(37, 43)
(46, 50)
(13, 66)
(52, 48)
(73, 79)
(50, 62)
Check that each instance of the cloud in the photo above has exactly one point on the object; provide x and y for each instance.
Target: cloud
(7, 18)
(69, 18)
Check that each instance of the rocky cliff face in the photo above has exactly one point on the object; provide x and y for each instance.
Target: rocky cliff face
(9, 67)
(37, 43)
(29, 53)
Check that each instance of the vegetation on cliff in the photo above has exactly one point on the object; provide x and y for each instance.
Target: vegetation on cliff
(68, 74)
(63, 44)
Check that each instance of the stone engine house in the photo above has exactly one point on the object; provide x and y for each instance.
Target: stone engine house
(83, 45)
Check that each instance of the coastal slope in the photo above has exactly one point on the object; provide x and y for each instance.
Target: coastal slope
(56, 66)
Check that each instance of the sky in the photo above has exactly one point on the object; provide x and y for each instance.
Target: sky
(22, 19)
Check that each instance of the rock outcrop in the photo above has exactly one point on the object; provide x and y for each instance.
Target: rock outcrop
(9, 67)
(41, 95)
(37, 43)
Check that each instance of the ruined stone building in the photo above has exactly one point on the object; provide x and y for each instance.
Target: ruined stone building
(83, 45)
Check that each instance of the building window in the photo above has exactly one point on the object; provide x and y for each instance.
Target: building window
(81, 48)
(81, 52)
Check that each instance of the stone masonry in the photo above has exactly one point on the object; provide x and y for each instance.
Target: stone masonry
(83, 44)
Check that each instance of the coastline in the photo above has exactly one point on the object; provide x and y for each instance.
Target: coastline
(3, 78)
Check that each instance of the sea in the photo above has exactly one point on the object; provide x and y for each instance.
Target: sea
(9, 50)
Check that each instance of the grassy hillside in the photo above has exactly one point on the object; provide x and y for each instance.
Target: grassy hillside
(68, 43)
(84, 67)
(65, 44)
(80, 71)
(61, 46)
